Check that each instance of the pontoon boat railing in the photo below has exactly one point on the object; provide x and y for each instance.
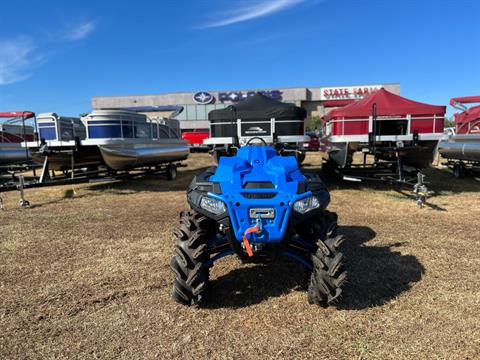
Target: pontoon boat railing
(329, 126)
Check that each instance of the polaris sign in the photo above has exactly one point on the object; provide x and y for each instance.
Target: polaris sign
(235, 96)
(203, 98)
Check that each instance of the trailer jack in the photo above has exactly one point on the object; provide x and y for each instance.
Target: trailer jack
(21, 184)
(420, 190)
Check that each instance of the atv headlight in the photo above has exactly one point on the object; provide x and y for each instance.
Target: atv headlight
(307, 204)
(214, 206)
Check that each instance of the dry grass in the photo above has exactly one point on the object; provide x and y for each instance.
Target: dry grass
(88, 277)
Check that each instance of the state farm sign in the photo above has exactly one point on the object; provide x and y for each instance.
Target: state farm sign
(347, 92)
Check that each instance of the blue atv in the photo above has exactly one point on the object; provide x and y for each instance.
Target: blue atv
(259, 206)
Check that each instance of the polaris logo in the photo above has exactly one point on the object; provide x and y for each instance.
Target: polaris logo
(203, 98)
(257, 130)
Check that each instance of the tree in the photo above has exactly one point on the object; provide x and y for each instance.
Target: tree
(313, 123)
(449, 122)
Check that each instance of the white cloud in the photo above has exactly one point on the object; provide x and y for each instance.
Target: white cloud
(17, 58)
(250, 12)
(19, 55)
(80, 31)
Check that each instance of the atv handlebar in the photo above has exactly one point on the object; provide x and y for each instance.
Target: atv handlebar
(258, 138)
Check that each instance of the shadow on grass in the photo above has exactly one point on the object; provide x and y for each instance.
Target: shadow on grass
(376, 275)
(152, 182)
(438, 181)
(247, 286)
(156, 182)
(442, 182)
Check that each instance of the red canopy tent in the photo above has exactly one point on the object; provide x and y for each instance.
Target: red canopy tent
(425, 118)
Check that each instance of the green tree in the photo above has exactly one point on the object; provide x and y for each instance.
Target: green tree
(313, 123)
(449, 122)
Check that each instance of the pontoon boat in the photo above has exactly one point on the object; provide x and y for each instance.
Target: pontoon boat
(13, 132)
(462, 149)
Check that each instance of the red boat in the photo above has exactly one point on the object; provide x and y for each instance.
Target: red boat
(13, 132)
(386, 125)
(462, 149)
(467, 121)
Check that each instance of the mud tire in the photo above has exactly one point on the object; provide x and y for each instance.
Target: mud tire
(328, 275)
(189, 264)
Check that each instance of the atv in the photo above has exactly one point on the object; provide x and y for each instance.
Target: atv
(259, 206)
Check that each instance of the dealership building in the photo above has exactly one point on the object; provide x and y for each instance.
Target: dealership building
(192, 108)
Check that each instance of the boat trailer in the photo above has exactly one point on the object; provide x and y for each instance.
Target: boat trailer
(13, 181)
(380, 171)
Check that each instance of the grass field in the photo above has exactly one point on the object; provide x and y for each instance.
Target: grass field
(87, 276)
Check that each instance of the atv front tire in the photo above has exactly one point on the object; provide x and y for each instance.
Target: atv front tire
(191, 255)
(328, 273)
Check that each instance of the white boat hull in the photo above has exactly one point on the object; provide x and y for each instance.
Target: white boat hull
(119, 157)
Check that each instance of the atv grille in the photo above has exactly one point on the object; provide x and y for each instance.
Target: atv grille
(258, 185)
(259, 195)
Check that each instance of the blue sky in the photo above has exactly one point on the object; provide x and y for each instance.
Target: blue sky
(55, 55)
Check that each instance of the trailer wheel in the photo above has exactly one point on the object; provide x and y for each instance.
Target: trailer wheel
(328, 273)
(459, 170)
(329, 168)
(111, 172)
(171, 172)
(191, 255)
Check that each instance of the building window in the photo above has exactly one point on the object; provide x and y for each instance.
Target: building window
(201, 112)
(197, 112)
